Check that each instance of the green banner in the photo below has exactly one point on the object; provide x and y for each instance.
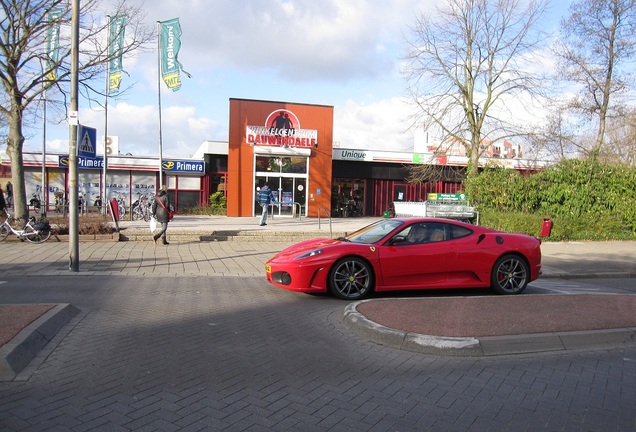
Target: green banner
(170, 43)
(115, 50)
(52, 42)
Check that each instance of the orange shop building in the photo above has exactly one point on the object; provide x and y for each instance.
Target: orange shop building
(287, 145)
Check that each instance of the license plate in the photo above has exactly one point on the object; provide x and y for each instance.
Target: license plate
(268, 269)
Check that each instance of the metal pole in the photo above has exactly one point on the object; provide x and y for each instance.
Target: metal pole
(103, 192)
(44, 203)
(159, 97)
(73, 216)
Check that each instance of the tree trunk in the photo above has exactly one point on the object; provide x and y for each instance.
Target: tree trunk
(14, 148)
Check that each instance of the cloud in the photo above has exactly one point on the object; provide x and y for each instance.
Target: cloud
(301, 40)
(380, 125)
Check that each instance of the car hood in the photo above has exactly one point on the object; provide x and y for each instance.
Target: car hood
(308, 245)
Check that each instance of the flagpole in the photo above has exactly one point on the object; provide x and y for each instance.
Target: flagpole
(159, 101)
(103, 200)
(73, 217)
(45, 203)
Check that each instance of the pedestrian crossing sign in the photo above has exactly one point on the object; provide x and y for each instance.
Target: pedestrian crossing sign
(86, 142)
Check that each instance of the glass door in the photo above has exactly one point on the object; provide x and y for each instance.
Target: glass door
(287, 178)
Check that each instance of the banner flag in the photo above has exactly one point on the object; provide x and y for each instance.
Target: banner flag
(52, 42)
(115, 50)
(170, 43)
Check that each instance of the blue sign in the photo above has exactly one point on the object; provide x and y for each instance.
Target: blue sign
(86, 142)
(183, 166)
(82, 162)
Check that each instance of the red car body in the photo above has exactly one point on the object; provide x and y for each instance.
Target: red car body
(384, 256)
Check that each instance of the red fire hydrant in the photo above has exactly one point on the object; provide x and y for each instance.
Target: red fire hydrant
(546, 227)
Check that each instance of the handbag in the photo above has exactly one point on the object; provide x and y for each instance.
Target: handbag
(170, 212)
(153, 224)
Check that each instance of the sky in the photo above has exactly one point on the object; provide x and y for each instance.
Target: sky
(342, 53)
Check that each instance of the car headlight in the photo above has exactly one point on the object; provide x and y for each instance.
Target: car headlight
(309, 254)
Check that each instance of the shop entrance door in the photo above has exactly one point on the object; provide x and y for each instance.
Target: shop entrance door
(290, 193)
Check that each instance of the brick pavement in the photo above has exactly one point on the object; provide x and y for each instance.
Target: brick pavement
(175, 349)
(233, 353)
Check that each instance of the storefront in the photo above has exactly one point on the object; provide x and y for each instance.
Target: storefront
(285, 145)
(128, 178)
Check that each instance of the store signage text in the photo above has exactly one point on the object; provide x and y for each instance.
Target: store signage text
(349, 154)
(82, 162)
(282, 128)
(183, 166)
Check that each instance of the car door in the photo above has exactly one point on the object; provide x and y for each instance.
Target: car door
(422, 265)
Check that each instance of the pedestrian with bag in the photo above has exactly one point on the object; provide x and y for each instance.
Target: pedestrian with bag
(9, 189)
(265, 198)
(162, 213)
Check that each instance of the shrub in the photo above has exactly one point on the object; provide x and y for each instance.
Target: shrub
(88, 225)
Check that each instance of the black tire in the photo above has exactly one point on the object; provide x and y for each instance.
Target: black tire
(137, 213)
(4, 232)
(510, 275)
(36, 236)
(351, 278)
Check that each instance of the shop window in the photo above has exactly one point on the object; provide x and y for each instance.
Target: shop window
(188, 199)
(281, 164)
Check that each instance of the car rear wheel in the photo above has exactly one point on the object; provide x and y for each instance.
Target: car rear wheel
(351, 278)
(510, 275)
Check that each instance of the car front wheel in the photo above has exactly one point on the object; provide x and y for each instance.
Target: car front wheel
(351, 278)
(510, 275)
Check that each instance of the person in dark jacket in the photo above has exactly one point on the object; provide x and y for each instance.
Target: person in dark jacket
(265, 198)
(3, 204)
(9, 189)
(160, 212)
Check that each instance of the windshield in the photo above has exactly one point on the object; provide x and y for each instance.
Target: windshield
(374, 232)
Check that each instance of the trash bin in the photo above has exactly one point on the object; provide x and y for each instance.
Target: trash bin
(546, 227)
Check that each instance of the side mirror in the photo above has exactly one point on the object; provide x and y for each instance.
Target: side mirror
(397, 240)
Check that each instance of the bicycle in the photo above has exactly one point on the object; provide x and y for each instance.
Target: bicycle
(141, 209)
(36, 203)
(34, 232)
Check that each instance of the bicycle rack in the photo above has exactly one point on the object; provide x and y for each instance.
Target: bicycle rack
(329, 216)
(300, 209)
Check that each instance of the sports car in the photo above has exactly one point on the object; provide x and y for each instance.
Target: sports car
(409, 254)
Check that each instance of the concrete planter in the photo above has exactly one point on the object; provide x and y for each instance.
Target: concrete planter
(114, 237)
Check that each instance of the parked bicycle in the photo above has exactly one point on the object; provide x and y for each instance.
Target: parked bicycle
(141, 208)
(34, 232)
(35, 203)
(121, 206)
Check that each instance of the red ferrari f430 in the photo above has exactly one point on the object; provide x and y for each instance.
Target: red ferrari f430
(409, 254)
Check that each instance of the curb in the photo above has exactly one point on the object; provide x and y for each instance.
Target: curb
(485, 346)
(16, 354)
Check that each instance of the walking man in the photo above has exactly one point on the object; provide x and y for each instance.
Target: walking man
(265, 198)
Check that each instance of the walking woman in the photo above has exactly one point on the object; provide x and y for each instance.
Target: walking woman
(160, 211)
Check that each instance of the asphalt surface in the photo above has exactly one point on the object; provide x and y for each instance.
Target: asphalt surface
(152, 337)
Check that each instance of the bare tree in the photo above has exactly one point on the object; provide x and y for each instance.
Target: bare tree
(467, 63)
(598, 39)
(28, 70)
(557, 139)
(619, 147)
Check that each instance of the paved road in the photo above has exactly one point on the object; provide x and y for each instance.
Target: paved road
(232, 353)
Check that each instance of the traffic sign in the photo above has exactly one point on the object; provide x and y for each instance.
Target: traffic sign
(86, 141)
